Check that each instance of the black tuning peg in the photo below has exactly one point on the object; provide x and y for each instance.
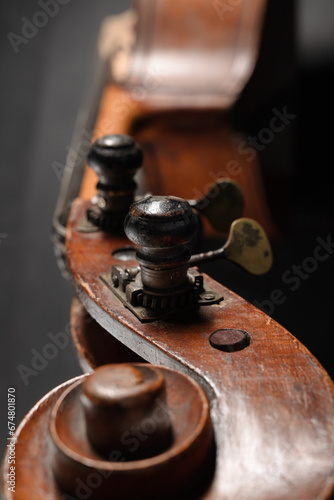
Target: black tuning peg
(167, 280)
(115, 159)
(162, 226)
(162, 284)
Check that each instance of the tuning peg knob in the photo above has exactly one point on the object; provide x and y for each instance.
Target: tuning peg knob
(115, 159)
(162, 226)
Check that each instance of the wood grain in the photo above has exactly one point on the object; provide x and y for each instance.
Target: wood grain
(271, 403)
(192, 54)
(52, 443)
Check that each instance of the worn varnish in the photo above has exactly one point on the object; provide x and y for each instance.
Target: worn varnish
(191, 53)
(34, 451)
(184, 153)
(271, 403)
(55, 459)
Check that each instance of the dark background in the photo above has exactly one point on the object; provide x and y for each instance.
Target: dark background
(41, 91)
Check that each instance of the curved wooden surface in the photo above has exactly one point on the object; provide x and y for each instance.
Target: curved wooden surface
(178, 110)
(272, 403)
(193, 53)
(54, 459)
(184, 154)
(93, 344)
(34, 451)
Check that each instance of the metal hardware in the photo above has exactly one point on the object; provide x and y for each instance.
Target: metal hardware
(162, 284)
(247, 245)
(162, 226)
(150, 305)
(166, 281)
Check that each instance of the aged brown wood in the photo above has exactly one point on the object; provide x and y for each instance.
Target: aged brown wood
(184, 153)
(52, 443)
(119, 397)
(271, 403)
(193, 54)
(174, 107)
(34, 451)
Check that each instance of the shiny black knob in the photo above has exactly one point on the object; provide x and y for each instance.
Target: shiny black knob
(162, 226)
(115, 159)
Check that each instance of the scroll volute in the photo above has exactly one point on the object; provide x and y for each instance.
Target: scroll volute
(193, 49)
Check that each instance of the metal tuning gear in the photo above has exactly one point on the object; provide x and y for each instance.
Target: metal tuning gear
(167, 280)
(162, 227)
